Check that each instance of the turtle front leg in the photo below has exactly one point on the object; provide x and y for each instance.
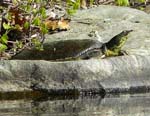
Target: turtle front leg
(104, 51)
(123, 52)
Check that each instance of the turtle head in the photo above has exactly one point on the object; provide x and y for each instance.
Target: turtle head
(125, 32)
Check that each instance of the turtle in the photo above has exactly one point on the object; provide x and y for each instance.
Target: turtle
(108, 49)
(68, 50)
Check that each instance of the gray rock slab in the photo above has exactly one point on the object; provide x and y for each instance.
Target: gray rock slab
(119, 74)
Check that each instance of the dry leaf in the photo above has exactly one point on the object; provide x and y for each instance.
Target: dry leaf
(56, 24)
(17, 18)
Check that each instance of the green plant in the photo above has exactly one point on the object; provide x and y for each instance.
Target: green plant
(72, 6)
(22, 25)
(123, 2)
(127, 2)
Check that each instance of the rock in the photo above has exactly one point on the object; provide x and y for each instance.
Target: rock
(129, 73)
(119, 74)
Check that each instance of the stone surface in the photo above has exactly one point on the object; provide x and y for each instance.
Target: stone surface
(117, 74)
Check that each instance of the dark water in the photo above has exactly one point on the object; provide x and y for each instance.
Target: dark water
(111, 105)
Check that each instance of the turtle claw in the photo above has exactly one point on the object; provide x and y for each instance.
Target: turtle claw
(103, 56)
(123, 52)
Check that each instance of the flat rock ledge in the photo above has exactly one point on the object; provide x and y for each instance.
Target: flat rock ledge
(123, 74)
(94, 76)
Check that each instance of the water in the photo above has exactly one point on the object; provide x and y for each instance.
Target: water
(111, 105)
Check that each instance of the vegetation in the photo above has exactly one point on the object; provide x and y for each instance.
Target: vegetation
(127, 2)
(24, 24)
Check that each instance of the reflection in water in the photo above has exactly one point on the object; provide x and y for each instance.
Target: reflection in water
(121, 105)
